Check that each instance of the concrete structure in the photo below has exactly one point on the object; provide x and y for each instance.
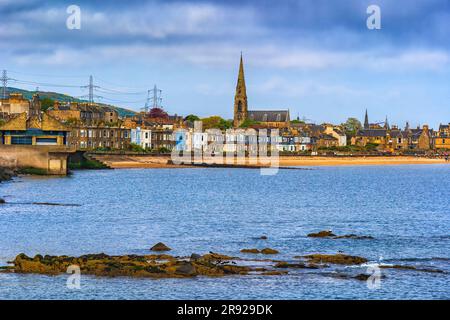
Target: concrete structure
(50, 159)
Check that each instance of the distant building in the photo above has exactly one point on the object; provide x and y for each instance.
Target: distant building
(442, 137)
(15, 104)
(269, 119)
(84, 113)
(34, 128)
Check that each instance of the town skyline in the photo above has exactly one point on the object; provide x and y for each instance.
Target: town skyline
(192, 51)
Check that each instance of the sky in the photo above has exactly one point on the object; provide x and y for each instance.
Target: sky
(316, 58)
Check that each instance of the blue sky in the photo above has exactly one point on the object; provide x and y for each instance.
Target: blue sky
(315, 57)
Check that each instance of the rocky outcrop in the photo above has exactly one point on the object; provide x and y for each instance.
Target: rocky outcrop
(250, 251)
(405, 267)
(152, 266)
(329, 234)
(269, 251)
(322, 234)
(160, 247)
(340, 258)
(6, 174)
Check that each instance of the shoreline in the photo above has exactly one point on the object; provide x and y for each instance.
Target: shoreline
(162, 162)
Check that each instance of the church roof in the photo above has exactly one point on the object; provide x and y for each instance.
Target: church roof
(269, 116)
(22, 122)
(372, 133)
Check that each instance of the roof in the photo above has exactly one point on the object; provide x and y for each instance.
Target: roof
(22, 122)
(269, 116)
(372, 133)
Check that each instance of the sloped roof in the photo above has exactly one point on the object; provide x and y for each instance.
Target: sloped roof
(21, 123)
(269, 116)
(372, 133)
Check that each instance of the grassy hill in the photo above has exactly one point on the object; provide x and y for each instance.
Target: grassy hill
(67, 98)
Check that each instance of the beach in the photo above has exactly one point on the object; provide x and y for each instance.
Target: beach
(151, 161)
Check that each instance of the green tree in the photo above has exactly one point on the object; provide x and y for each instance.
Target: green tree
(46, 103)
(248, 123)
(191, 118)
(351, 126)
(216, 122)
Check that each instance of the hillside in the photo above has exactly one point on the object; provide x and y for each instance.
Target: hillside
(67, 98)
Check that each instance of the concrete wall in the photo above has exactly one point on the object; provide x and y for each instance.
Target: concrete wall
(52, 159)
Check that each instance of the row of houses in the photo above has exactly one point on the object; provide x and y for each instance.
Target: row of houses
(94, 127)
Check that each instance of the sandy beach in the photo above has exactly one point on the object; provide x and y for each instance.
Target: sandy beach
(147, 161)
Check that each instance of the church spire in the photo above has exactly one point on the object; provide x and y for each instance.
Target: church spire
(240, 98)
(386, 124)
(366, 121)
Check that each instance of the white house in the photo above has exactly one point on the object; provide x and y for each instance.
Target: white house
(142, 137)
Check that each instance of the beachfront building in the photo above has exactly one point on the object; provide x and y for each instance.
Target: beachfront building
(268, 119)
(442, 137)
(142, 137)
(99, 137)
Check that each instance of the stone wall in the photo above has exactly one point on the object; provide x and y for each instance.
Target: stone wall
(52, 159)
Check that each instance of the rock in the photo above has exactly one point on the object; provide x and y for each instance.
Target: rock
(2, 201)
(186, 269)
(331, 235)
(353, 236)
(250, 251)
(129, 265)
(263, 237)
(274, 273)
(195, 257)
(284, 265)
(362, 277)
(335, 259)
(160, 247)
(269, 251)
(322, 234)
(403, 267)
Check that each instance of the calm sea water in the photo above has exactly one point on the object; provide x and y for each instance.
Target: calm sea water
(406, 209)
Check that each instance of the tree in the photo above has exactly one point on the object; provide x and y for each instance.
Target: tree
(351, 126)
(216, 122)
(248, 123)
(46, 103)
(192, 118)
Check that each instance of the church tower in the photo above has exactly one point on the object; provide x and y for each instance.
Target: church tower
(240, 98)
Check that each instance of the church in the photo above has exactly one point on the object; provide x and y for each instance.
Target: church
(263, 118)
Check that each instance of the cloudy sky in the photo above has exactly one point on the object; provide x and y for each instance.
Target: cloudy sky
(315, 57)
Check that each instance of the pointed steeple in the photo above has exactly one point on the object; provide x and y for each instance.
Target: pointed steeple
(240, 98)
(386, 124)
(366, 121)
(240, 87)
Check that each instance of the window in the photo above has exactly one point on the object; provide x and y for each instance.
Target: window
(278, 117)
(22, 140)
(264, 117)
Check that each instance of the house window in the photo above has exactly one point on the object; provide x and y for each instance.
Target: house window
(264, 117)
(278, 117)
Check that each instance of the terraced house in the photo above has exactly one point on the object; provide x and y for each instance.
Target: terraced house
(442, 137)
(91, 137)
